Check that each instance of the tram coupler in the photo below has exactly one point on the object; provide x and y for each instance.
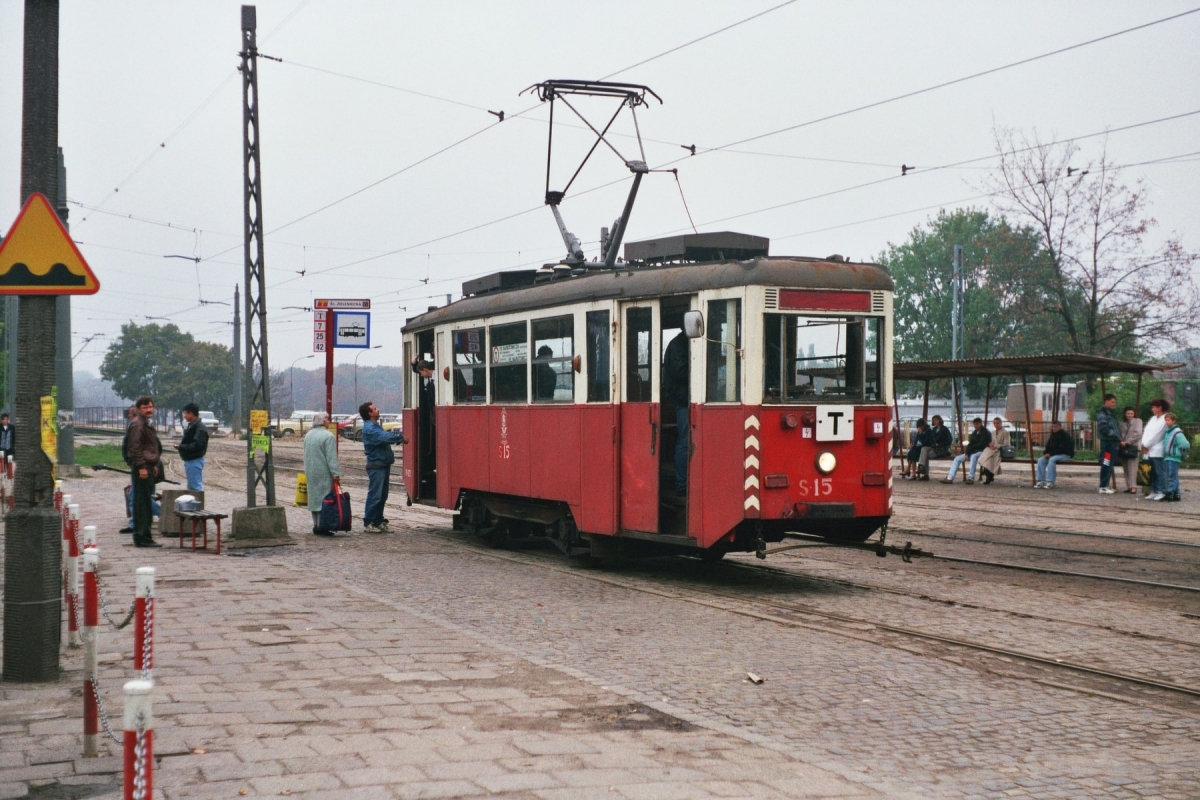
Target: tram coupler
(880, 548)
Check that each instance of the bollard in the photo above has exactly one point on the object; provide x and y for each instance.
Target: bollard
(143, 633)
(89, 537)
(91, 662)
(139, 741)
(71, 568)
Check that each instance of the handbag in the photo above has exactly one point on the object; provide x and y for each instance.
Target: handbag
(1129, 453)
(1007, 451)
(335, 510)
(1145, 474)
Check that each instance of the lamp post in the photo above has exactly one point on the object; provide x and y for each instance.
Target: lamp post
(292, 379)
(360, 352)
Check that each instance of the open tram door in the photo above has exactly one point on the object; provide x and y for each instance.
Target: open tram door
(420, 427)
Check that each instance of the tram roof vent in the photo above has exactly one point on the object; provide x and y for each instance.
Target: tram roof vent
(696, 247)
(499, 282)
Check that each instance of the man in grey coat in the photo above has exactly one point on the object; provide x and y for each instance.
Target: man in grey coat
(320, 467)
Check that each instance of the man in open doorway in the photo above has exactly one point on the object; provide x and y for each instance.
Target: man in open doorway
(676, 391)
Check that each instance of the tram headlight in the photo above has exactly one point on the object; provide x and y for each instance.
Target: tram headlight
(826, 462)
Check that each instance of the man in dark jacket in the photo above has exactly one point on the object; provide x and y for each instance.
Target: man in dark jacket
(1110, 442)
(940, 441)
(144, 460)
(676, 393)
(193, 447)
(977, 442)
(8, 440)
(1059, 447)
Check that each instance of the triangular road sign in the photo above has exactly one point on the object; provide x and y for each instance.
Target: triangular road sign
(38, 256)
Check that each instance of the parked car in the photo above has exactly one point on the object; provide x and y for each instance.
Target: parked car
(209, 420)
(298, 424)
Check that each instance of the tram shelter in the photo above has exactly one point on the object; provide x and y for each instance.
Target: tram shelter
(1055, 366)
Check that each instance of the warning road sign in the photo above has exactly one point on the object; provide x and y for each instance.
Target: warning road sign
(38, 256)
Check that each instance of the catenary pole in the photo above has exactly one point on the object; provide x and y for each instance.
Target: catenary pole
(258, 372)
(64, 370)
(32, 543)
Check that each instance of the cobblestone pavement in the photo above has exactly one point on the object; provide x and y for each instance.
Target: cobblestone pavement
(422, 664)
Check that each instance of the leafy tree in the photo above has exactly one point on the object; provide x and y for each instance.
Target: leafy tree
(1113, 294)
(1004, 274)
(170, 365)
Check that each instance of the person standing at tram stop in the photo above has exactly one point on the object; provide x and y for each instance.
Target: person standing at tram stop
(1152, 446)
(145, 460)
(1175, 449)
(321, 467)
(1131, 442)
(377, 444)
(1109, 435)
(193, 447)
(8, 438)
(676, 389)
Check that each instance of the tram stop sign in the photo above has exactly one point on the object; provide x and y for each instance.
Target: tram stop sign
(39, 257)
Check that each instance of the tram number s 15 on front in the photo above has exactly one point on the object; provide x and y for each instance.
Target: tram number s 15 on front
(816, 487)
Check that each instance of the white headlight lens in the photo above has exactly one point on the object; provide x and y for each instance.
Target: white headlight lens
(826, 462)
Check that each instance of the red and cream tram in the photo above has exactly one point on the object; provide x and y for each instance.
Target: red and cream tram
(543, 415)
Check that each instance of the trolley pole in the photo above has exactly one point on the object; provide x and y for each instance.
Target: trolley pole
(33, 529)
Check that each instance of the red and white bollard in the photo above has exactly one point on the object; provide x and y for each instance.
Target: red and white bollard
(139, 741)
(143, 634)
(71, 568)
(91, 662)
(58, 496)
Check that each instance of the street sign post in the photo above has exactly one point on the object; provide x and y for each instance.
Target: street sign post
(326, 313)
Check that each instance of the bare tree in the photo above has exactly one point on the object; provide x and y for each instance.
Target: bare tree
(1113, 293)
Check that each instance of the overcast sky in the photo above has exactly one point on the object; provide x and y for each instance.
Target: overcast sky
(137, 76)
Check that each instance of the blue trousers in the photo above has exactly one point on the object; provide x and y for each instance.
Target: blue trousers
(958, 461)
(377, 494)
(1047, 467)
(1108, 455)
(1170, 477)
(194, 470)
(683, 438)
(1160, 474)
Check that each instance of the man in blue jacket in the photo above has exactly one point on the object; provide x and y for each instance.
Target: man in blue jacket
(377, 444)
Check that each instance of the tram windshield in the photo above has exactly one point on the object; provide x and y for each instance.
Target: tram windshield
(810, 359)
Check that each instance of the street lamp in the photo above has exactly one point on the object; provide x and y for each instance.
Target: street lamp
(360, 352)
(292, 379)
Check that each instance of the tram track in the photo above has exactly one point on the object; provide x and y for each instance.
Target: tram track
(1044, 510)
(1001, 543)
(850, 626)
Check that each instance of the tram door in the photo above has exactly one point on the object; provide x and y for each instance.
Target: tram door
(426, 433)
(640, 419)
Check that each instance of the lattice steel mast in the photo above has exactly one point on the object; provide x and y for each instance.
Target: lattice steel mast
(258, 374)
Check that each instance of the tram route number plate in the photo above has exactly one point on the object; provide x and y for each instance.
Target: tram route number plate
(835, 423)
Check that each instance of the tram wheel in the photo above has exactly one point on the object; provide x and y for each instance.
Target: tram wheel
(496, 536)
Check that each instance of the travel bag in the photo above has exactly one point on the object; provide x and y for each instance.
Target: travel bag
(335, 510)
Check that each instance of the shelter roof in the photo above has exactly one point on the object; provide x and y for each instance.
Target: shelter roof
(1057, 365)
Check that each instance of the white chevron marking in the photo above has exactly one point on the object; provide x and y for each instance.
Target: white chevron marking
(752, 422)
(751, 480)
(752, 502)
(751, 461)
(752, 441)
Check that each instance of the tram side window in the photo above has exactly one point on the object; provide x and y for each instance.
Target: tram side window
(724, 378)
(638, 324)
(469, 369)
(874, 377)
(510, 360)
(810, 359)
(599, 372)
(554, 349)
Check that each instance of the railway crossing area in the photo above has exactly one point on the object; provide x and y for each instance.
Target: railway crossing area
(1048, 650)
